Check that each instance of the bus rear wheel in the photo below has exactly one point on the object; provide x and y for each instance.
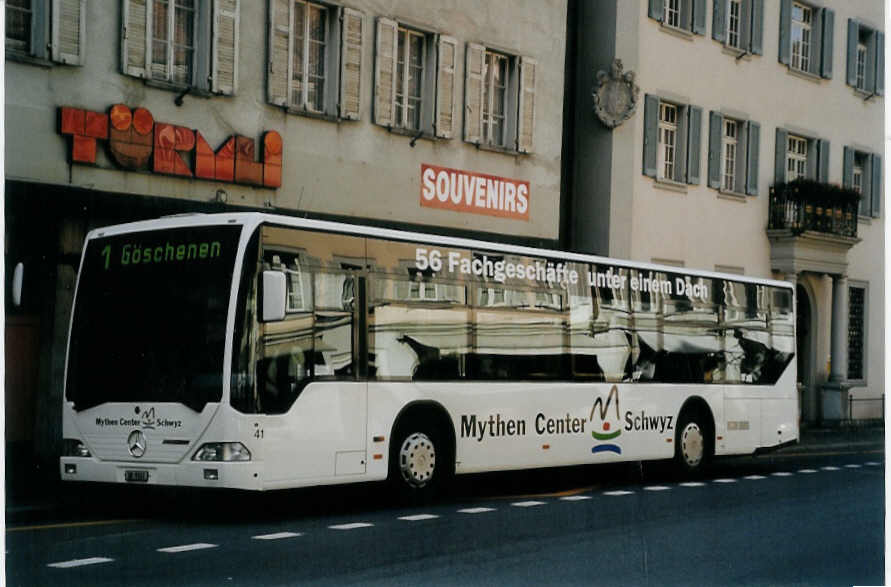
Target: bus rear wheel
(693, 445)
(418, 461)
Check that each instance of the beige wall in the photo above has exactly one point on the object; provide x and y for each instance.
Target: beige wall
(347, 168)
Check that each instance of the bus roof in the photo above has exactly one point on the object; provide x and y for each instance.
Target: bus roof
(254, 219)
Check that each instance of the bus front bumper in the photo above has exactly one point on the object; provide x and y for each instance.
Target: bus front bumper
(187, 474)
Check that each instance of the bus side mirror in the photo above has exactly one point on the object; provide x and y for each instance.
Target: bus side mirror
(18, 276)
(275, 294)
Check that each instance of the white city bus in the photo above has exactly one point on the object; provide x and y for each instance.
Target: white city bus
(257, 351)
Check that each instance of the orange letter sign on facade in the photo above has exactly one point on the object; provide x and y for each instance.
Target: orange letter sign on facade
(137, 142)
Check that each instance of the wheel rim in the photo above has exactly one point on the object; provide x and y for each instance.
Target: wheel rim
(417, 459)
(692, 444)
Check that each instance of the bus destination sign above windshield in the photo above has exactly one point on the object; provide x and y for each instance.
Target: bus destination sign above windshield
(137, 142)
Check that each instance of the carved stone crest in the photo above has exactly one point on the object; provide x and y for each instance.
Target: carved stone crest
(615, 95)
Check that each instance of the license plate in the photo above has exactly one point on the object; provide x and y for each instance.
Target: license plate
(136, 476)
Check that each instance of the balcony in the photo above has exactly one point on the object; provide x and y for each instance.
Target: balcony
(804, 205)
(811, 226)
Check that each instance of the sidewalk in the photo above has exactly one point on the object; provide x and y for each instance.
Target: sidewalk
(34, 497)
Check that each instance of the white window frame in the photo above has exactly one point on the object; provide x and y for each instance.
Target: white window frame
(170, 45)
(729, 146)
(734, 24)
(495, 134)
(802, 28)
(796, 157)
(405, 104)
(303, 39)
(861, 67)
(857, 179)
(667, 132)
(56, 32)
(672, 16)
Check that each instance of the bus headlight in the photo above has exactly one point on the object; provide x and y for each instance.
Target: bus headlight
(222, 451)
(74, 448)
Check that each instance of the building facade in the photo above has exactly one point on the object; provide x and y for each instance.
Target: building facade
(437, 117)
(737, 99)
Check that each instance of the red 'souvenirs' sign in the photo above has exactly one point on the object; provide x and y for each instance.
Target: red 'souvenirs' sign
(466, 191)
(137, 142)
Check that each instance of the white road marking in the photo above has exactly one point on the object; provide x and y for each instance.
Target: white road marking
(656, 488)
(807, 471)
(352, 526)
(575, 497)
(418, 517)
(475, 510)
(527, 504)
(830, 468)
(853, 466)
(187, 547)
(80, 562)
(873, 464)
(755, 477)
(620, 492)
(724, 481)
(277, 536)
(782, 474)
(693, 484)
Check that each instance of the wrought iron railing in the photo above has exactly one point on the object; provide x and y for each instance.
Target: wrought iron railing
(808, 205)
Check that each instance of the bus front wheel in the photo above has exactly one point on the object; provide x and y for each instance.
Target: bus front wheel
(418, 461)
(693, 444)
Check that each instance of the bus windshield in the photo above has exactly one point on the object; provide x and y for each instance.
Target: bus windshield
(150, 317)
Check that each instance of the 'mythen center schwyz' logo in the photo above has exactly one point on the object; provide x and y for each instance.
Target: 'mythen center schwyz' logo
(609, 428)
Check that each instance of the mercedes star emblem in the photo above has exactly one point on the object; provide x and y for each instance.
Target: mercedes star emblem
(136, 443)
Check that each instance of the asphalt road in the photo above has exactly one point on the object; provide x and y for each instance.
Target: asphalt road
(785, 520)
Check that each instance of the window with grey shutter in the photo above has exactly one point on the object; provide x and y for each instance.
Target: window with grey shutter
(876, 184)
(733, 154)
(314, 58)
(865, 58)
(752, 157)
(694, 132)
(46, 29)
(684, 15)
(806, 37)
(181, 43)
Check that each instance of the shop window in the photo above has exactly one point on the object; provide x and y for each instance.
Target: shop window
(46, 30)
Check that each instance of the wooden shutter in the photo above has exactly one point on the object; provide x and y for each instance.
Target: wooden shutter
(698, 17)
(657, 9)
(526, 110)
(880, 63)
(753, 143)
(876, 184)
(134, 38)
(353, 26)
(694, 133)
(719, 20)
(385, 72)
(68, 29)
(224, 71)
(816, 51)
(447, 53)
(828, 43)
(745, 25)
(785, 54)
(651, 134)
(779, 170)
(848, 168)
(853, 39)
(715, 134)
(278, 65)
(823, 164)
(473, 92)
(757, 42)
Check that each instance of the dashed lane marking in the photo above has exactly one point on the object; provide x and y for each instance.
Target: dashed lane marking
(479, 510)
(830, 468)
(187, 547)
(527, 504)
(80, 562)
(853, 466)
(353, 526)
(617, 493)
(724, 481)
(873, 464)
(807, 471)
(575, 497)
(418, 517)
(656, 488)
(277, 536)
(693, 484)
(754, 477)
(782, 474)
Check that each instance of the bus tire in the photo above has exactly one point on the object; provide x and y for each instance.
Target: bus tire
(694, 442)
(418, 460)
